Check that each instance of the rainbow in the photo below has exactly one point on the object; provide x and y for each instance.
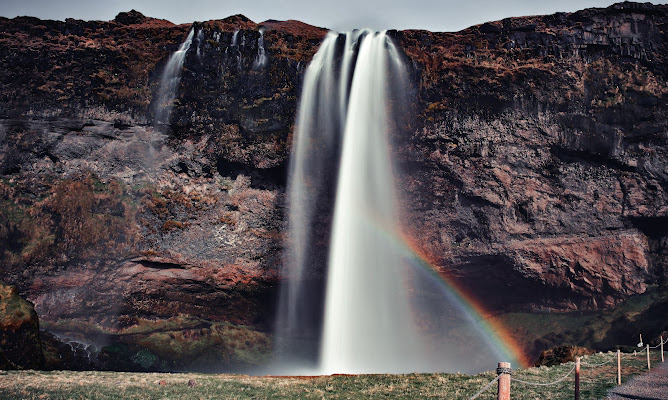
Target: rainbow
(494, 333)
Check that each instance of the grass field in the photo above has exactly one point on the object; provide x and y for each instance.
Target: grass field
(595, 381)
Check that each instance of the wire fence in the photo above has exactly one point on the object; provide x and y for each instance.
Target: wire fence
(594, 373)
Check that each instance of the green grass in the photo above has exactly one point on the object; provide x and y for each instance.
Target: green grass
(595, 381)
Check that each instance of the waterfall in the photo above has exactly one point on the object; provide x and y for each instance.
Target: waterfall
(261, 58)
(359, 297)
(311, 188)
(200, 42)
(169, 81)
(234, 38)
(367, 324)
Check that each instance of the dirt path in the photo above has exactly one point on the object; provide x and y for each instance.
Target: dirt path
(649, 386)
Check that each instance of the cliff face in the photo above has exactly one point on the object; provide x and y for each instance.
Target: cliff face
(542, 161)
(534, 170)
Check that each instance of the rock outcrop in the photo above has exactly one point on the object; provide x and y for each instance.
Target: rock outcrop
(20, 347)
(534, 171)
(562, 354)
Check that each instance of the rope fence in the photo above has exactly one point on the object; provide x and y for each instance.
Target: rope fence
(504, 372)
(660, 344)
(599, 365)
(544, 384)
(487, 386)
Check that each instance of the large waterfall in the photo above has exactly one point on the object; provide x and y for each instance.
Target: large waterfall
(169, 81)
(344, 121)
(360, 298)
(368, 324)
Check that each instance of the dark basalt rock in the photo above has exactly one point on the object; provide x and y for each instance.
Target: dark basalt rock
(131, 17)
(561, 354)
(60, 355)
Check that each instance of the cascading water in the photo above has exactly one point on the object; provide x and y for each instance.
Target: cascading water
(379, 310)
(368, 323)
(312, 182)
(234, 38)
(169, 82)
(261, 58)
(200, 42)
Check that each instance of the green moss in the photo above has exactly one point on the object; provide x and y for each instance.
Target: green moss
(184, 341)
(14, 311)
(144, 358)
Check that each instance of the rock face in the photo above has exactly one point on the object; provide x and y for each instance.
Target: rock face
(534, 171)
(543, 154)
(20, 347)
(539, 157)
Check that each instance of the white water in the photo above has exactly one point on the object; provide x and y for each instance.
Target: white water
(200, 42)
(368, 323)
(377, 290)
(368, 326)
(234, 38)
(318, 129)
(261, 58)
(169, 82)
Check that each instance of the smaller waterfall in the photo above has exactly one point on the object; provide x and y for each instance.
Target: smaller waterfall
(234, 49)
(261, 59)
(235, 36)
(169, 82)
(200, 42)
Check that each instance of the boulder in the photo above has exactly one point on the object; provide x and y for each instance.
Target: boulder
(561, 354)
(20, 347)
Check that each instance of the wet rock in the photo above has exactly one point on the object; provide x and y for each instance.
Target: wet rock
(61, 355)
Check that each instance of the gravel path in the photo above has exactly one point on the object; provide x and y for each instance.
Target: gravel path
(649, 386)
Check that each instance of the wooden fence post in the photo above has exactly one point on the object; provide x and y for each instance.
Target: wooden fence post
(619, 368)
(577, 378)
(648, 368)
(504, 381)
